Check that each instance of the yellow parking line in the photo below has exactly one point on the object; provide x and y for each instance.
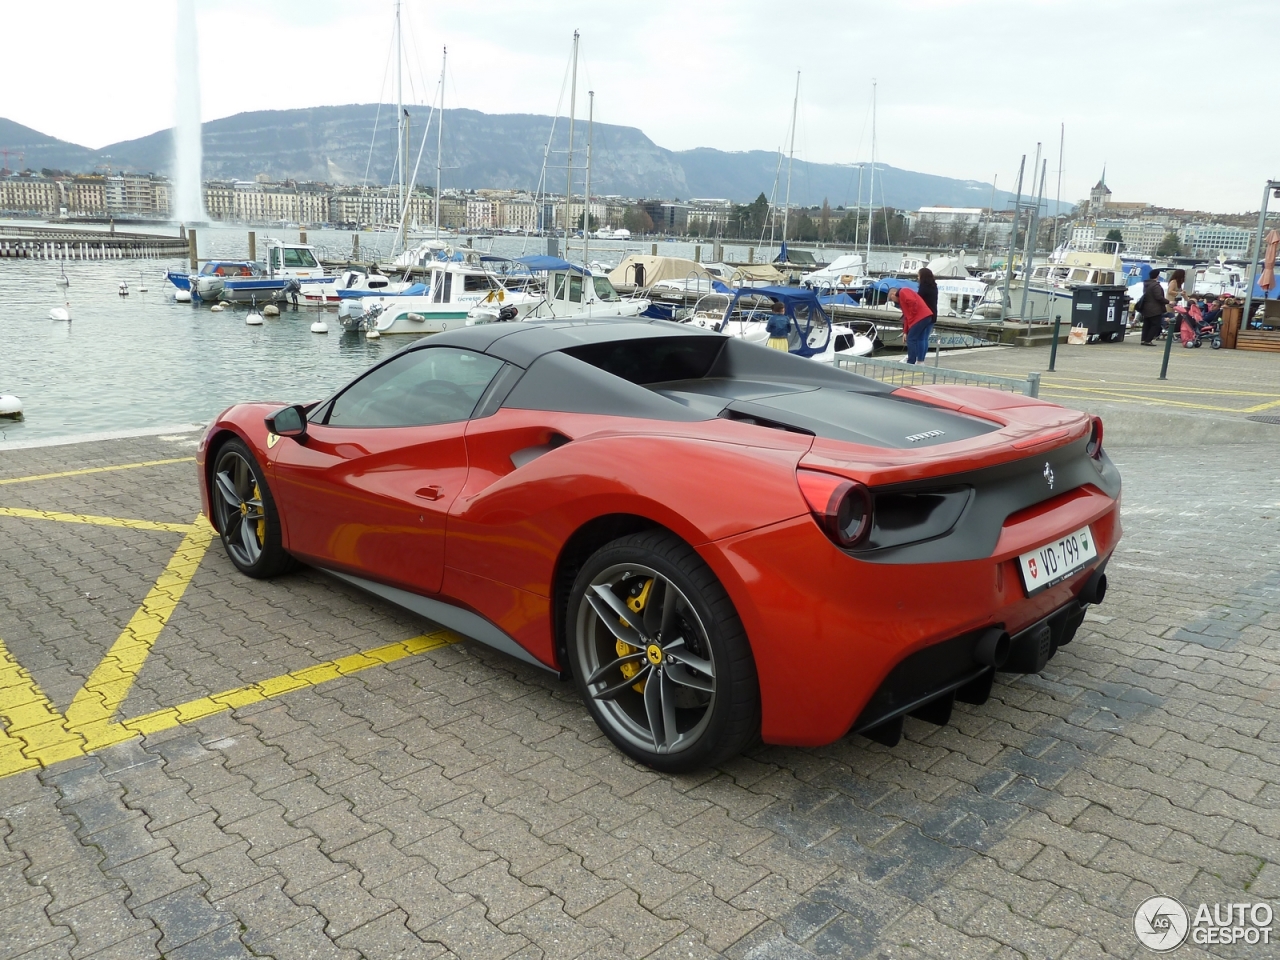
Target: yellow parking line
(95, 520)
(111, 680)
(1164, 387)
(269, 689)
(1134, 397)
(80, 473)
(33, 727)
(37, 735)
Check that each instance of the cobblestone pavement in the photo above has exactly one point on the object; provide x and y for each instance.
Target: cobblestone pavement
(448, 801)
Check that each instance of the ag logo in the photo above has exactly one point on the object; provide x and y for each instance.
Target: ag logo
(1161, 924)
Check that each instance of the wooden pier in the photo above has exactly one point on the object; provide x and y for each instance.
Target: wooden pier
(70, 243)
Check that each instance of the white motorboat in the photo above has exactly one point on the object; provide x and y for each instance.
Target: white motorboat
(458, 292)
(745, 314)
(573, 293)
(844, 273)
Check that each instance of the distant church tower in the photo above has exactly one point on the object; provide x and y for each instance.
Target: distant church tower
(1099, 195)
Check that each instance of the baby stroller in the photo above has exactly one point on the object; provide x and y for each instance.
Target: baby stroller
(1194, 330)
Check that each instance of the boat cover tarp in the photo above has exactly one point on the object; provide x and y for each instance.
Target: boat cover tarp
(655, 269)
(885, 284)
(839, 300)
(540, 263)
(758, 273)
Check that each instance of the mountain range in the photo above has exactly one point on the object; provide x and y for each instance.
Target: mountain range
(355, 143)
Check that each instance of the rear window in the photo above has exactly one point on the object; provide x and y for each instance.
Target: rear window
(657, 360)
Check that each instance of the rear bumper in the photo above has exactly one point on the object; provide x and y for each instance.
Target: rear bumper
(828, 630)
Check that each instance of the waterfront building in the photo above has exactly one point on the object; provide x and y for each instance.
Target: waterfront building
(710, 215)
(480, 213)
(1216, 239)
(86, 196)
(135, 195)
(220, 199)
(30, 193)
(519, 213)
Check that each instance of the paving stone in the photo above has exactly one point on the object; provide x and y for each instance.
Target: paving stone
(468, 933)
(387, 936)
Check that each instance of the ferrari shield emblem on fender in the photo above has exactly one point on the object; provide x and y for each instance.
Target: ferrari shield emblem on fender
(274, 438)
(1048, 474)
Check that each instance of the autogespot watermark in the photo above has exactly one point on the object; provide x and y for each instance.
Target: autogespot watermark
(1163, 924)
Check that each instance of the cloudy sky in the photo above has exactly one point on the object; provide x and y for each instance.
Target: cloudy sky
(1158, 90)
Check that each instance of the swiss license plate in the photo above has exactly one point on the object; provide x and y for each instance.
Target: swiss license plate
(1054, 562)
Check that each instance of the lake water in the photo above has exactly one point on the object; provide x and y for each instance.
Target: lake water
(143, 361)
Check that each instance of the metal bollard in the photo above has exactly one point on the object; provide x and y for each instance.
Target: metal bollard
(1168, 346)
(1053, 350)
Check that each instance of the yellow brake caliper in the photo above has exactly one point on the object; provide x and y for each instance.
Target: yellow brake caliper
(261, 525)
(635, 605)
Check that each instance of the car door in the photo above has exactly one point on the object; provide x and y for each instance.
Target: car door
(368, 490)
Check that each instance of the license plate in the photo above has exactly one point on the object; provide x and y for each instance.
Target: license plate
(1054, 562)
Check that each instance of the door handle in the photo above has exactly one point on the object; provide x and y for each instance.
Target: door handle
(432, 492)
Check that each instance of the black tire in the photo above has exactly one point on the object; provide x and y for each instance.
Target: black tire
(1216, 343)
(700, 685)
(250, 528)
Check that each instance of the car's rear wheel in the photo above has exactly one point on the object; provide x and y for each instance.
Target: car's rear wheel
(246, 514)
(659, 655)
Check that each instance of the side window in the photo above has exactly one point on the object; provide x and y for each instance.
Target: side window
(275, 257)
(437, 285)
(416, 389)
(447, 296)
(476, 282)
(575, 288)
(557, 283)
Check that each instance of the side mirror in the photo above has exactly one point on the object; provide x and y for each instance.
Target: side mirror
(289, 422)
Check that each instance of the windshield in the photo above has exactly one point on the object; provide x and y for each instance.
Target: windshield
(604, 289)
(295, 257)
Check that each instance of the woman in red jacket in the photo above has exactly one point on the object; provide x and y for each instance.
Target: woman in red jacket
(917, 321)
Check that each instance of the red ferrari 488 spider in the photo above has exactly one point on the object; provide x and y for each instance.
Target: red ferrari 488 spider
(718, 542)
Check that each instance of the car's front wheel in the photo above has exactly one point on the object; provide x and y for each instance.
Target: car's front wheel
(245, 513)
(660, 656)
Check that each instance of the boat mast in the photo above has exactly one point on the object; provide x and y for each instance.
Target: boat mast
(871, 189)
(791, 157)
(1057, 200)
(444, 57)
(586, 209)
(995, 178)
(573, 96)
(400, 149)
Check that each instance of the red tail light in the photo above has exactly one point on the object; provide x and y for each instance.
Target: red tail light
(842, 507)
(1095, 439)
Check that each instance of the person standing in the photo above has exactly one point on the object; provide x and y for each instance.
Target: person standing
(777, 327)
(1177, 280)
(917, 321)
(928, 289)
(1153, 304)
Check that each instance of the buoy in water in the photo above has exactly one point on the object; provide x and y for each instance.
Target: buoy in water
(216, 308)
(142, 283)
(63, 281)
(271, 310)
(319, 327)
(124, 289)
(182, 296)
(60, 313)
(372, 333)
(254, 319)
(10, 407)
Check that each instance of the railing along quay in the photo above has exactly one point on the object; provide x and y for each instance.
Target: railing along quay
(917, 374)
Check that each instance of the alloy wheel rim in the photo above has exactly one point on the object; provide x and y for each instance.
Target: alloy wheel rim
(242, 517)
(647, 659)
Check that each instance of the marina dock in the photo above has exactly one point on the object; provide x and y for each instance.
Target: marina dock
(72, 243)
